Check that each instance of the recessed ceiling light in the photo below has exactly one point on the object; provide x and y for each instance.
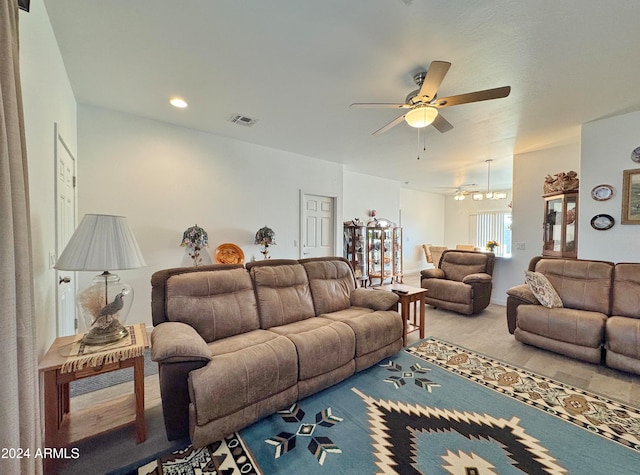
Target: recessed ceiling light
(178, 102)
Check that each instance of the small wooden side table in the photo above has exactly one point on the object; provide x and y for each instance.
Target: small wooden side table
(63, 428)
(409, 295)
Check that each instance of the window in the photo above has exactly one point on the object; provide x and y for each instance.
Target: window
(491, 226)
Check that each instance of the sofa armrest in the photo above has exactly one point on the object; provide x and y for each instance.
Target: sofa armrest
(175, 342)
(516, 296)
(432, 274)
(373, 299)
(479, 278)
(523, 293)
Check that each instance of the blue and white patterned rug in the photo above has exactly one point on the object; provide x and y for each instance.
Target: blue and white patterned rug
(434, 408)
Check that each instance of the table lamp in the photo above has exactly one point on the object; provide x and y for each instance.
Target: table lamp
(103, 243)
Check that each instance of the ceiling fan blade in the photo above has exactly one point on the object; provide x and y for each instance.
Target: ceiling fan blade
(435, 75)
(441, 124)
(391, 124)
(386, 105)
(477, 96)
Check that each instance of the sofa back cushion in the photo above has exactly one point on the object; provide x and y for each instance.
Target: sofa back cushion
(626, 290)
(581, 284)
(331, 281)
(459, 264)
(283, 294)
(218, 304)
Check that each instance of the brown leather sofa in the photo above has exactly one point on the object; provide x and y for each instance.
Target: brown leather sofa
(235, 344)
(600, 317)
(461, 282)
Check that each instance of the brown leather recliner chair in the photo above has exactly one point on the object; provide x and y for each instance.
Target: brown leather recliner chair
(461, 283)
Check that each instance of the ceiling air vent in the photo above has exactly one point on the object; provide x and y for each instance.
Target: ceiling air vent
(243, 120)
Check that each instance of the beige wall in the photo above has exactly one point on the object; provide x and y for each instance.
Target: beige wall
(48, 99)
(606, 152)
(165, 179)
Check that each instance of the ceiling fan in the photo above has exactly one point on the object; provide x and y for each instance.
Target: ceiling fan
(423, 103)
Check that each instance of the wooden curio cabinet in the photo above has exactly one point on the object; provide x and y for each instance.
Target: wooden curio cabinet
(560, 225)
(384, 244)
(355, 250)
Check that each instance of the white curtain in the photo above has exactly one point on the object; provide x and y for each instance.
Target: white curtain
(19, 393)
(491, 226)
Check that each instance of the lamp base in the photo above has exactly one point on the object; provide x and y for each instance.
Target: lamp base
(103, 335)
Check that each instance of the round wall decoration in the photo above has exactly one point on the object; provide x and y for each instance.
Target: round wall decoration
(635, 155)
(602, 192)
(602, 222)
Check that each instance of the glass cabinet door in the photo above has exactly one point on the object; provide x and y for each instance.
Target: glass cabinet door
(571, 226)
(561, 225)
(553, 225)
(384, 245)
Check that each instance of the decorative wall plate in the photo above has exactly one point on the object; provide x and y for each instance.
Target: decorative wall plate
(635, 155)
(602, 192)
(229, 253)
(602, 222)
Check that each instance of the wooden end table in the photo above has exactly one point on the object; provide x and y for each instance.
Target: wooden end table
(409, 295)
(63, 428)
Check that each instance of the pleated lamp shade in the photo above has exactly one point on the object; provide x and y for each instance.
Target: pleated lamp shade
(101, 243)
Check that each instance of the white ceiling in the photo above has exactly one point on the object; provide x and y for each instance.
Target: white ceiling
(296, 65)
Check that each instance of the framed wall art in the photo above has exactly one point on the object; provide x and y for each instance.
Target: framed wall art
(631, 197)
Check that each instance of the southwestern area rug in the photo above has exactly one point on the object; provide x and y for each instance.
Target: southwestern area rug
(434, 408)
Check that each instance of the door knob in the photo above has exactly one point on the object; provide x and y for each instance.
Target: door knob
(64, 280)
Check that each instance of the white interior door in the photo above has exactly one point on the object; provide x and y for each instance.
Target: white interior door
(318, 214)
(65, 225)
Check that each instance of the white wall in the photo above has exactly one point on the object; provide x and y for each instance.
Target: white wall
(363, 193)
(423, 222)
(529, 172)
(48, 99)
(165, 178)
(606, 152)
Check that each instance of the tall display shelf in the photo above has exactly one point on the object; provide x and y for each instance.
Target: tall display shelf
(355, 250)
(561, 225)
(384, 244)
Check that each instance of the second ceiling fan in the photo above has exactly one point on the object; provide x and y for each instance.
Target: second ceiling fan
(423, 104)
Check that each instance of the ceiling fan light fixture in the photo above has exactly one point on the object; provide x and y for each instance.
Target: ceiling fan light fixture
(459, 196)
(422, 116)
(477, 196)
(178, 102)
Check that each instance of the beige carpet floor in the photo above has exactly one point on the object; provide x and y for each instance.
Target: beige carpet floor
(485, 333)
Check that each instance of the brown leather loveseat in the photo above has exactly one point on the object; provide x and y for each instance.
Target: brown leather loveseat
(599, 320)
(235, 344)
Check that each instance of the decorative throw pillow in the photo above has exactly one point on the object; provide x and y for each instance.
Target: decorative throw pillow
(542, 289)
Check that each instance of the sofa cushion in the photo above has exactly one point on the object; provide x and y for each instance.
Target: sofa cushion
(448, 290)
(342, 315)
(626, 290)
(283, 294)
(331, 283)
(542, 289)
(218, 304)
(322, 345)
(373, 330)
(581, 284)
(239, 379)
(623, 336)
(238, 342)
(578, 327)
